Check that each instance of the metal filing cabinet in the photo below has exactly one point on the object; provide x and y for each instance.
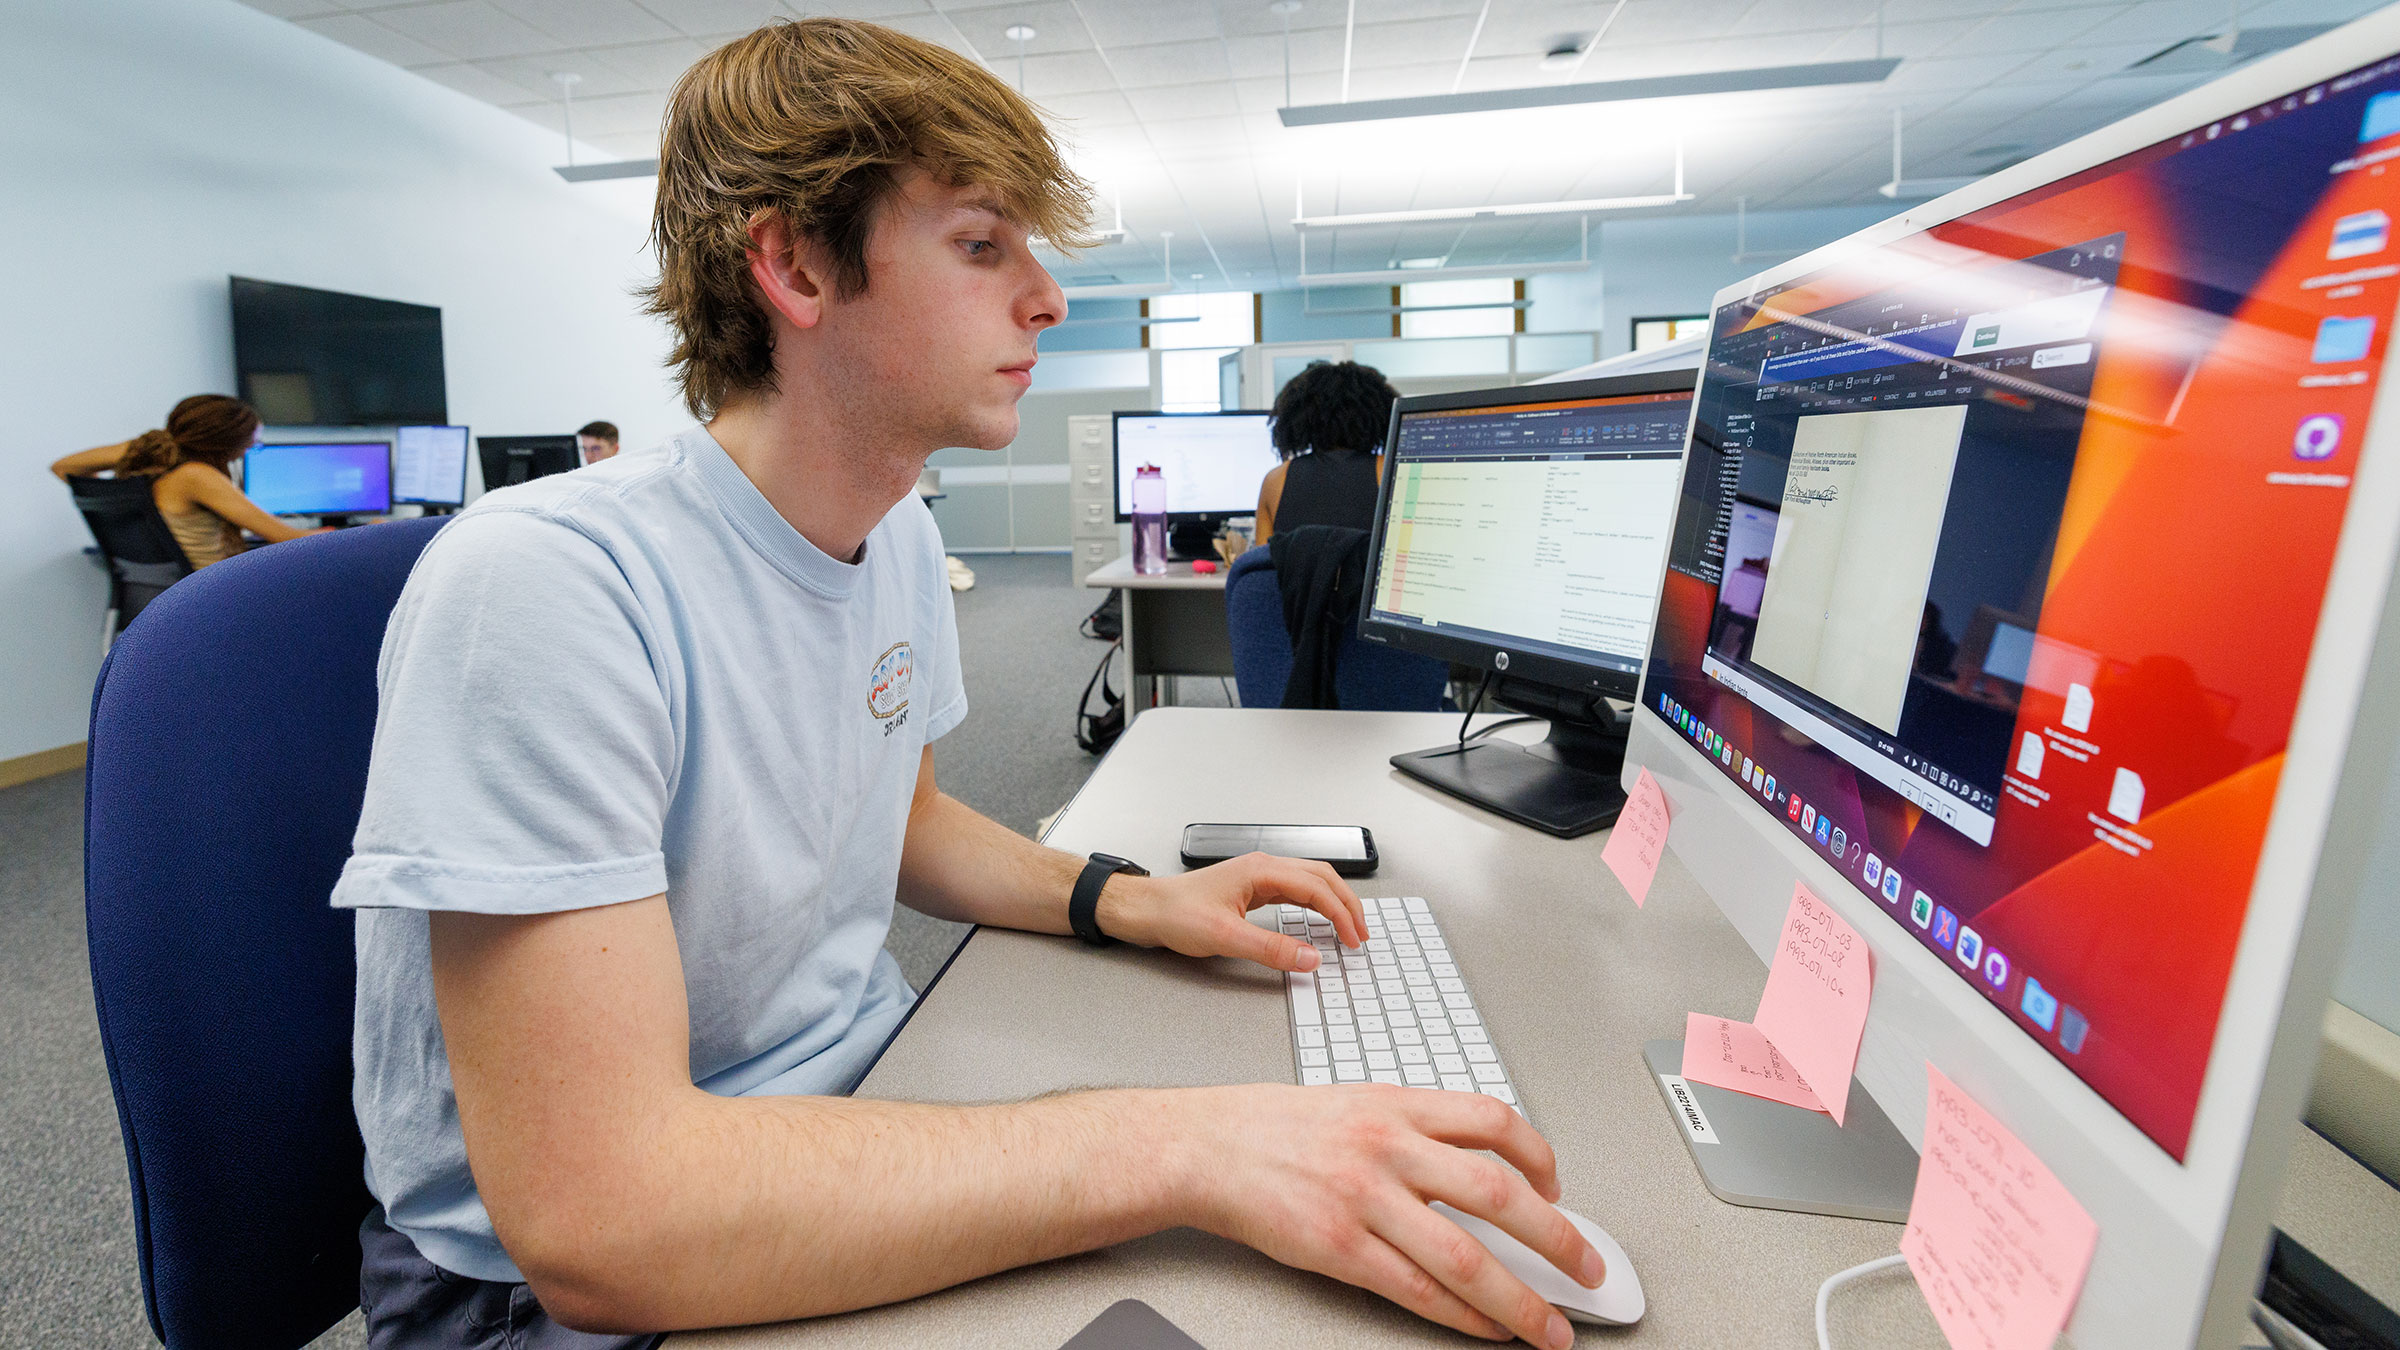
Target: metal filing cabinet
(1091, 491)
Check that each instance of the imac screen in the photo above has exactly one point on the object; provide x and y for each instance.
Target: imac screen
(1533, 526)
(2002, 546)
(1213, 462)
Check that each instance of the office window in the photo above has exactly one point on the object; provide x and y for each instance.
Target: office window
(1187, 379)
(1659, 331)
(1495, 296)
(1218, 319)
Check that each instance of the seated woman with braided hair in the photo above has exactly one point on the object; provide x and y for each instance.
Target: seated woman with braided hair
(186, 462)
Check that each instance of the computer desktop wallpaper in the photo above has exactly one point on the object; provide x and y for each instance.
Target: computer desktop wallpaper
(2102, 639)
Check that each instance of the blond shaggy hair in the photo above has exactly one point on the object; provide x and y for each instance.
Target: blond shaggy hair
(812, 119)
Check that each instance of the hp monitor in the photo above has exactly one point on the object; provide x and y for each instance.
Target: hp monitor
(1213, 462)
(429, 466)
(1520, 531)
(510, 460)
(2029, 602)
(333, 480)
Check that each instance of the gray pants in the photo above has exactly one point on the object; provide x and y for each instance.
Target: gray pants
(413, 1304)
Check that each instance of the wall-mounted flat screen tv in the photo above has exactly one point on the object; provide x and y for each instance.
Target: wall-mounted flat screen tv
(305, 357)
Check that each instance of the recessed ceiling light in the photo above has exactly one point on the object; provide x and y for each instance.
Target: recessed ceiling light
(1018, 32)
(1422, 262)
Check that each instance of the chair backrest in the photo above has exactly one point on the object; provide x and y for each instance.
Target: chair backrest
(1367, 676)
(229, 743)
(143, 557)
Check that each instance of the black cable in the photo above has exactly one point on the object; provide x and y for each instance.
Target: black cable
(1473, 705)
(1495, 726)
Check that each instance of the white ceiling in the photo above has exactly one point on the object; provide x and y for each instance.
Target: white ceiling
(1170, 107)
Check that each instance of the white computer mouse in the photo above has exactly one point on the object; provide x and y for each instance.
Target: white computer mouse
(1618, 1300)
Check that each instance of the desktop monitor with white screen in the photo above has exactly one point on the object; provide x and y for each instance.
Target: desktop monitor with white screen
(332, 480)
(1519, 531)
(429, 465)
(2023, 600)
(1213, 464)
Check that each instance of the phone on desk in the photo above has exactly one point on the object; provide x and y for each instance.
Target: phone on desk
(1349, 849)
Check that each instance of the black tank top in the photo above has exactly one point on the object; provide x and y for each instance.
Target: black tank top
(1327, 487)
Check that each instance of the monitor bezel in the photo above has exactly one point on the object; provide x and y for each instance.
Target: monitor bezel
(465, 454)
(1116, 462)
(2181, 1245)
(384, 510)
(1532, 667)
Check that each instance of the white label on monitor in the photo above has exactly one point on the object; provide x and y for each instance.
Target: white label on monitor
(1687, 1111)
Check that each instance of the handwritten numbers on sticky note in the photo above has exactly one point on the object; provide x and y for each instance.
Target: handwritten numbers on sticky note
(1998, 1246)
(1724, 1053)
(1815, 1006)
(1639, 839)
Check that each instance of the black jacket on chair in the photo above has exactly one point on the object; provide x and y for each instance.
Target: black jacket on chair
(1321, 570)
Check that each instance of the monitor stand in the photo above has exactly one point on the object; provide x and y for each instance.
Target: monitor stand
(1770, 1155)
(1190, 539)
(334, 522)
(1565, 785)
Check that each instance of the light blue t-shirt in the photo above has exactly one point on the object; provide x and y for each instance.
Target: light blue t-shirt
(632, 679)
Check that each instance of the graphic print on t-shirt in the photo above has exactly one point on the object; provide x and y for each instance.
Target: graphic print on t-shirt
(887, 686)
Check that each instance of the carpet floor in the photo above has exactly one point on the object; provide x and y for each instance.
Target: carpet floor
(68, 1275)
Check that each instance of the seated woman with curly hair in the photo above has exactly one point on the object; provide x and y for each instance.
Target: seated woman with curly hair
(1328, 427)
(185, 461)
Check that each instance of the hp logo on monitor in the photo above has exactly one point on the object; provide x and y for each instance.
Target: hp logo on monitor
(1499, 660)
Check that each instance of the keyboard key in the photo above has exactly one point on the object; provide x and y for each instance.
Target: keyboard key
(1315, 1077)
(1411, 1054)
(1342, 1033)
(1452, 986)
(1466, 1017)
(1443, 970)
(1416, 905)
(1409, 1036)
(1392, 1078)
(1334, 999)
(1449, 1064)
(1489, 1073)
(1375, 1041)
(1482, 1054)
(1337, 1017)
(1434, 1026)
(1349, 1073)
(1444, 1045)
(1419, 1075)
(1344, 1051)
(1382, 1059)
(1457, 1082)
(1474, 1035)
(1369, 1021)
(1403, 1018)
(1458, 1001)
(1308, 1035)
(1501, 1090)
(1313, 1058)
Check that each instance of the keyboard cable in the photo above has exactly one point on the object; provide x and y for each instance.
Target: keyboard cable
(1837, 1280)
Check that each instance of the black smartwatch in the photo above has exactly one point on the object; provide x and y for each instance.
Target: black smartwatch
(1083, 907)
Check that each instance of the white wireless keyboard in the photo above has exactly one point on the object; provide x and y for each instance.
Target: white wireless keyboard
(1392, 1011)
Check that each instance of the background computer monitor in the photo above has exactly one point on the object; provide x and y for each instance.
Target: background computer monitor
(429, 465)
(2050, 678)
(1519, 531)
(339, 478)
(509, 460)
(1213, 462)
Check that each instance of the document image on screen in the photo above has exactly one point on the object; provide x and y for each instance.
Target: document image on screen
(1854, 544)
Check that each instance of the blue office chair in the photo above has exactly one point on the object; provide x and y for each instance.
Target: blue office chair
(229, 744)
(1367, 676)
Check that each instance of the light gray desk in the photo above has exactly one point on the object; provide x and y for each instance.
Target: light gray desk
(1571, 978)
(1174, 625)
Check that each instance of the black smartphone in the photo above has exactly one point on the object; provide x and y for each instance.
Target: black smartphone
(1350, 849)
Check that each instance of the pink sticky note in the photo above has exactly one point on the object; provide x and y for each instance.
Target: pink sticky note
(1997, 1244)
(1724, 1053)
(1639, 838)
(1815, 1006)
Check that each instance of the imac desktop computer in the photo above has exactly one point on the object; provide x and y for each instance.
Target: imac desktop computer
(1213, 462)
(330, 480)
(510, 460)
(2029, 603)
(1520, 531)
(429, 468)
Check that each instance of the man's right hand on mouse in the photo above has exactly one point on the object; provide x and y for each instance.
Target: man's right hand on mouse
(1337, 1180)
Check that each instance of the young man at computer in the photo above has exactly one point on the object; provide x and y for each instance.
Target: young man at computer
(597, 441)
(620, 954)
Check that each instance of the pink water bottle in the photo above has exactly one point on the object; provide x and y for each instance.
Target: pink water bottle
(1149, 520)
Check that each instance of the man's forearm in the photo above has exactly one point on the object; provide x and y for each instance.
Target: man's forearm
(962, 865)
(760, 1209)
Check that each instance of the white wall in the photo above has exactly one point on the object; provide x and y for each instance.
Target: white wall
(150, 147)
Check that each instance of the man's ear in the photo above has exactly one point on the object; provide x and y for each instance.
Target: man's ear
(786, 271)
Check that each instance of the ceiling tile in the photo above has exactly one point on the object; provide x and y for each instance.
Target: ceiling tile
(1048, 77)
(696, 17)
(1055, 29)
(1316, 50)
(1410, 44)
(473, 30)
(651, 65)
(1169, 63)
(1184, 100)
(366, 35)
(476, 82)
(582, 23)
(294, 9)
(532, 75)
(1147, 25)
